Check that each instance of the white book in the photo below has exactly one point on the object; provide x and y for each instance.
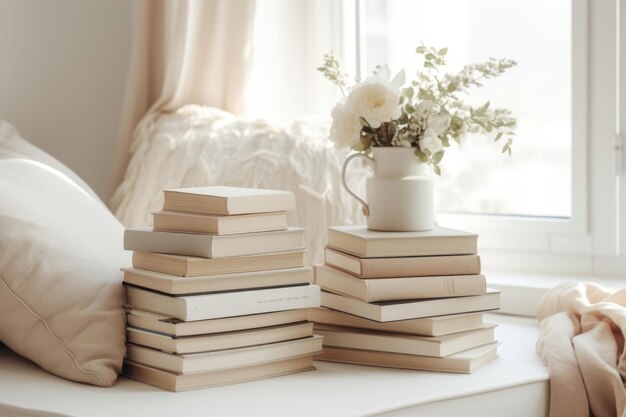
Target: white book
(412, 309)
(224, 359)
(226, 304)
(213, 246)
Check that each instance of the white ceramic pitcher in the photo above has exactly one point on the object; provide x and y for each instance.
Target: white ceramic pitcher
(400, 193)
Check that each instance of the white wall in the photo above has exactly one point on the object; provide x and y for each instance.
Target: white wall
(63, 68)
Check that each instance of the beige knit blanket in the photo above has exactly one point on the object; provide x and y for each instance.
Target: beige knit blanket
(582, 342)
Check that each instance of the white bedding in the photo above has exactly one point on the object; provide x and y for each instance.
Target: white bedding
(199, 146)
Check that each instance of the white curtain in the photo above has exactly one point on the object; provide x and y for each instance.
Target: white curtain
(184, 52)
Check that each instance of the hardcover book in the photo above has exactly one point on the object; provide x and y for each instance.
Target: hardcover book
(365, 243)
(172, 284)
(219, 341)
(175, 327)
(412, 309)
(224, 359)
(175, 221)
(463, 362)
(439, 346)
(429, 326)
(408, 266)
(213, 246)
(191, 266)
(225, 304)
(228, 200)
(388, 289)
(176, 382)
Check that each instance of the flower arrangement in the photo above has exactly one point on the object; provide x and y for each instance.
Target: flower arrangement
(426, 114)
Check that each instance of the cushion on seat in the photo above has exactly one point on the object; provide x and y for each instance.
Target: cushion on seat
(61, 298)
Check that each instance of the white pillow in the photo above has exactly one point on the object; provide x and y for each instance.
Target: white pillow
(61, 296)
(13, 146)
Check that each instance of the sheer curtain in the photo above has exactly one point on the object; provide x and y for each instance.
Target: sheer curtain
(184, 52)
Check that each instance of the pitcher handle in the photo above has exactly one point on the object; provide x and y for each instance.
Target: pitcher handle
(371, 162)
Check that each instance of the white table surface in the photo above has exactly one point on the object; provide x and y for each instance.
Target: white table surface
(331, 390)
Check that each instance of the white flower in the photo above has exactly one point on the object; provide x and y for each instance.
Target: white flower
(440, 123)
(345, 129)
(430, 142)
(376, 100)
(423, 109)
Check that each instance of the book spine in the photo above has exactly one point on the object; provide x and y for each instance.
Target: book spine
(169, 242)
(424, 287)
(420, 266)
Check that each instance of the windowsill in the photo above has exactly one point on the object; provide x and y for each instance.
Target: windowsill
(517, 377)
(521, 291)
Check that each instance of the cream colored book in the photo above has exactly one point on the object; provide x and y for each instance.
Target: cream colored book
(219, 341)
(228, 200)
(408, 288)
(177, 382)
(172, 284)
(439, 346)
(407, 266)
(365, 243)
(191, 266)
(175, 327)
(463, 362)
(224, 359)
(412, 309)
(226, 304)
(429, 326)
(213, 246)
(176, 221)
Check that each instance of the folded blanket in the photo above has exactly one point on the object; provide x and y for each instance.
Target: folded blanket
(582, 342)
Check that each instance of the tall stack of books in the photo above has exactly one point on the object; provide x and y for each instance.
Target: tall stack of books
(218, 292)
(410, 300)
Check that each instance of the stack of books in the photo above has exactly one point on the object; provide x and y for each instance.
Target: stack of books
(218, 292)
(410, 300)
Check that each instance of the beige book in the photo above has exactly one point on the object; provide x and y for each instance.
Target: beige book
(463, 362)
(177, 382)
(191, 266)
(224, 359)
(172, 284)
(412, 309)
(176, 221)
(408, 266)
(213, 246)
(408, 288)
(429, 326)
(175, 327)
(365, 243)
(226, 304)
(228, 200)
(439, 346)
(219, 341)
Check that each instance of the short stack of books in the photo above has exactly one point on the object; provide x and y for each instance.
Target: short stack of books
(410, 300)
(218, 292)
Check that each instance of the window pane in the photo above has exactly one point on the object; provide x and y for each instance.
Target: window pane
(477, 178)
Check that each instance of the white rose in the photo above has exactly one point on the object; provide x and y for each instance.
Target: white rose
(430, 142)
(345, 129)
(376, 100)
(440, 123)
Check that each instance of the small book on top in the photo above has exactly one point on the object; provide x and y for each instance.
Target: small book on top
(228, 200)
(192, 266)
(405, 288)
(408, 266)
(171, 284)
(175, 221)
(463, 362)
(365, 243)
(213, 246)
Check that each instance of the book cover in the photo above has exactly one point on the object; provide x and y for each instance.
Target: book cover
(213, 246)
(406, 288)
(228, 200)
(407, 266)
(365, 243)
(176, 221)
